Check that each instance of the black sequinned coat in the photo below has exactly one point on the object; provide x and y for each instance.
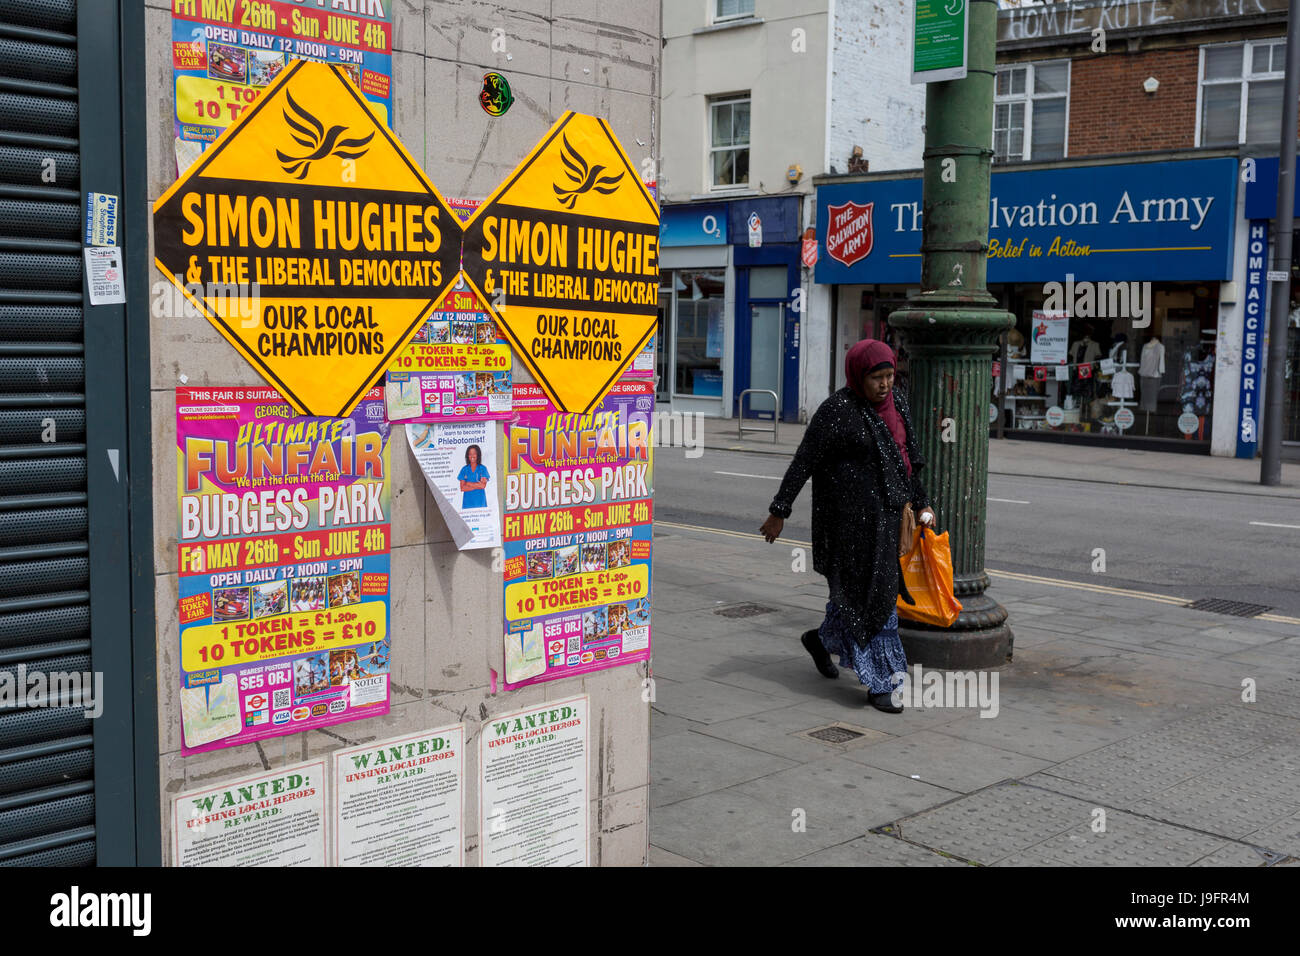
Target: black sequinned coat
(859, 489)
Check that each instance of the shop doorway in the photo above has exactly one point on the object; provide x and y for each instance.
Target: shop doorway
(765, 324)
(767, 341)
(663, 345)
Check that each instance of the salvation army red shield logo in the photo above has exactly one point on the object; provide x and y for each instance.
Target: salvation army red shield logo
(809, 252)
(849, 236)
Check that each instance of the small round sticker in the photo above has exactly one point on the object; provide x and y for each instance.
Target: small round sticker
(993, 412)
(495, 97)
(1188, 423)
(1055, 416)
(1124, 418)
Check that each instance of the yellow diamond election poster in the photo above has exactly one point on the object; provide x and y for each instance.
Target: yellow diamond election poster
(565, 253)
(311, 239)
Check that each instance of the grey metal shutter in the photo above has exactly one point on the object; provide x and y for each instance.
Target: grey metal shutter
(47, 799)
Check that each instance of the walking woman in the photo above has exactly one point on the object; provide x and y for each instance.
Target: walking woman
(861, 453)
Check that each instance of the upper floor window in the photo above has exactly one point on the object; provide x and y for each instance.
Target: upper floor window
(1241, 92)
(1030, 104)
(732, 9)
(729, 142)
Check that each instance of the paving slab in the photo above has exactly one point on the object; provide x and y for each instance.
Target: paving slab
(1234, 854)
(1124, 773)
(1232, 798)
(1127, 840)
(661, 857)
(793, 677)
(780, 732)
(845, 797)
(689, 764)
(663, 725)
(1034, 733)
(708, 701)
(946, 761)
(876, 849)
(1282, 835)
(996, 823)
(731, 828)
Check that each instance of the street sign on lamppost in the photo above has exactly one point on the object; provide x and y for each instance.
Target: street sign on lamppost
(939, 40)
(950, 330)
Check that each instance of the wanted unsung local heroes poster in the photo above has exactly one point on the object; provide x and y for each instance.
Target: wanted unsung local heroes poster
(577, 529)
(284, 565)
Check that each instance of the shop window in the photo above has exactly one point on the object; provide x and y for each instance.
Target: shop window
(729, 142)
(732, 9)
(1241, 92)
(1030, 107)
(1104, 375)
(768, 282)
(698, 328)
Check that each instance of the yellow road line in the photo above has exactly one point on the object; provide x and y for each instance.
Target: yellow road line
(1095, 588)
(1012, 575)
(751, 536)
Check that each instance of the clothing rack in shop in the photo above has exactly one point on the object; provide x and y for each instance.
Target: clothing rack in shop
(1123, 363)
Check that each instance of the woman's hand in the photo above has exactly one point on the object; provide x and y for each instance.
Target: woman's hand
(771, 529)
(926, 517)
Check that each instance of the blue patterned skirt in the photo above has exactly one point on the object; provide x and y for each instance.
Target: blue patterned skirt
(876, 663)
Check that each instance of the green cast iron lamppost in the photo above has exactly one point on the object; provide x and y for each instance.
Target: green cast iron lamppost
(951, 330)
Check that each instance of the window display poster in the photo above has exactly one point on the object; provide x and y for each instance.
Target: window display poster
(283, 565)
(1050, 337)
(714, 333)
(457, 368)
(577, 531)
(272, 819)
(401, 802)
(460, 467)
(225, 54)
(533, 786)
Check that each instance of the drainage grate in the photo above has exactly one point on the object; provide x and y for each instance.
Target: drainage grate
(744, 610)
(834, 734)
(1235, 608)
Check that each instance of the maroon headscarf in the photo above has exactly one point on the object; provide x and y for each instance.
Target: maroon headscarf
(865, 357)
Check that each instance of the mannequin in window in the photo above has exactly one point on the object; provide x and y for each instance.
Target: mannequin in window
(1198, 380)
(1015, 344)
(1151, 368)
(1085, 351)
(1119, 348)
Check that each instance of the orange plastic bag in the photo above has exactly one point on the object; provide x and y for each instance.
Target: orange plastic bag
(927, 572)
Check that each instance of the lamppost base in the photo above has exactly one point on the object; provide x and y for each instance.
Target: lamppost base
(980, 638)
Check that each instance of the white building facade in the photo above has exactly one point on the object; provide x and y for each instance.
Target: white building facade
(758, 97)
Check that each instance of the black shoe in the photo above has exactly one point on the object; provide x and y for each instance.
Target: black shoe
(821, 657)
(886, 703)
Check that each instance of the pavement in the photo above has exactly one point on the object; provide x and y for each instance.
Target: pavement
(1028, 458)
(1129, 730)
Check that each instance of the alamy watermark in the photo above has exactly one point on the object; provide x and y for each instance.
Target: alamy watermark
(679, 430)
(1100, 300)
(931, 688)
(20, 689)
(231, 300)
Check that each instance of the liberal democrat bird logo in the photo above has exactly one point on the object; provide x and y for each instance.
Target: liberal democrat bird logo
(320, 141)
(586, 179)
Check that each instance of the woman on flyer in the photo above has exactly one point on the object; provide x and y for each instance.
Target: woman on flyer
(861, 452)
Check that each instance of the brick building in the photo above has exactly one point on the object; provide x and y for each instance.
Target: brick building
(1122, 132)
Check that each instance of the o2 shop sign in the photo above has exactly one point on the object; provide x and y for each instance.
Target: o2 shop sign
(693, 226)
